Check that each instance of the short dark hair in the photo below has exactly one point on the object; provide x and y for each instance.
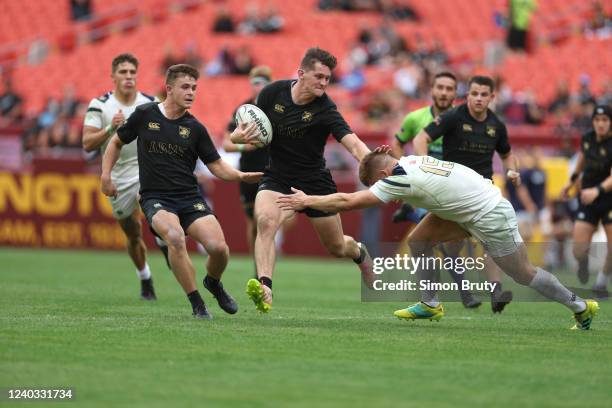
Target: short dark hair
(121, 58)
(316, 54)
(482, 80)
(368, 166)
(444, 74)
(177, 70)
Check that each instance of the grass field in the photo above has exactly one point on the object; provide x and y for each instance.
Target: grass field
(74, 319)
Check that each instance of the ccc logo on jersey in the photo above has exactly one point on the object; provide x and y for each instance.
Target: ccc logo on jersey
(154, 126)
(184, 132)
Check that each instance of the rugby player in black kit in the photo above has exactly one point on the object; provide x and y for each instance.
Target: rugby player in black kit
(302, 117)
(169, 141)
(472, 134)
(594, 175)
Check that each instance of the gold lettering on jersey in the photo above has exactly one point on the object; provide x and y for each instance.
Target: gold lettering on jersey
(467, 127)
(279, 108)
(184, 132)
(307, 116)
(491, 131)
(166, 148)
(154, 126)
(199, 207)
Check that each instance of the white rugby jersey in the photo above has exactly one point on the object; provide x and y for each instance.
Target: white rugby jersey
(449, 190)
(99, 115)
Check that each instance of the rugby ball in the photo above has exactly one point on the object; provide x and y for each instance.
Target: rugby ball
(248, 113)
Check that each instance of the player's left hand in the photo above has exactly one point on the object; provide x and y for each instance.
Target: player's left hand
(588, 195)
(293, 202)
(251, 177)
(514, 177)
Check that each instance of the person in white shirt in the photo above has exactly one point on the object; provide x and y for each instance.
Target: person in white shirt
(104, 115)
(466, 202)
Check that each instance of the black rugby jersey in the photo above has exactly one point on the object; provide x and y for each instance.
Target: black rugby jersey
(253, 160)
(468, 141)
(167, 149)
(299, 132)
(597, 160)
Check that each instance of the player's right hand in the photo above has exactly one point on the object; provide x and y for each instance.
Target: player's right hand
(107, 187)
(565, 191)
(246, 133)
(118, 119)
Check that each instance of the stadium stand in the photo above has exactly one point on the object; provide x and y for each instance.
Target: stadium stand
(80, 53)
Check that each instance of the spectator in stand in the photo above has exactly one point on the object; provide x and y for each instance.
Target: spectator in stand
(169, 59)
(223, 21)
(251, 19)
(600, 24)
(11, 105)
(398, 10)
(581, 115)
(69, 104)
(271, 21)
(80, 9)
(520, 12)
(223, 63)
(523, 108)
(350, 5)
(585, 96)
(407, 76)
(192, 56)
(606, 95)
(561, 99)
(243, 61)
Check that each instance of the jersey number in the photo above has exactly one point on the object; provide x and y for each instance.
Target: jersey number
(435, 166)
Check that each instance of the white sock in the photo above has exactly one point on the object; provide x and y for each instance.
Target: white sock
(145, 273)
(431, 303)
(160, 242)
(602, 280)
(549, 286)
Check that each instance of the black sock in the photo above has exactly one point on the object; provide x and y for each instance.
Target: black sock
(497, 289)
(212, 282)
(266, 281)
(195, 299)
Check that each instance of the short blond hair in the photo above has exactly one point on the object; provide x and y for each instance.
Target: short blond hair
(370, 164)
(263, 71)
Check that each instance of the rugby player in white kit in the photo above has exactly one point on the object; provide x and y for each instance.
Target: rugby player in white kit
(469, 204)
(104, 115)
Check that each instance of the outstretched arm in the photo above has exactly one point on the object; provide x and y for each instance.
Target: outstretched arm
(221, 169)
(355, 146)
(330, 203)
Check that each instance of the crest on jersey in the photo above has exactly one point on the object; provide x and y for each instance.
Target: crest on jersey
(306, 116)
(184, 132)
(602, 151)
(279, 108)
(467, 127)
(154, 126)
(586, 145)
(199, 207)
(491, 131)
